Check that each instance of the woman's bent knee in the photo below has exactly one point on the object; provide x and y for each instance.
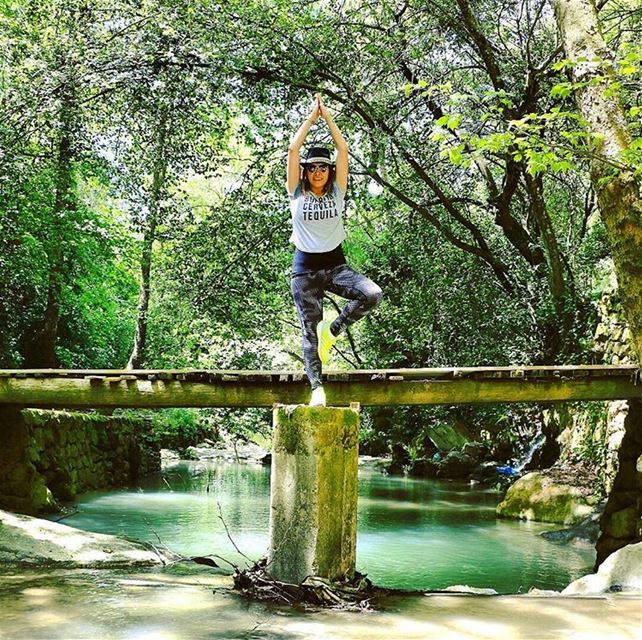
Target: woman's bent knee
(373, 295)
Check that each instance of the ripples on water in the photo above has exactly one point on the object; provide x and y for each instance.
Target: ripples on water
(412, 534)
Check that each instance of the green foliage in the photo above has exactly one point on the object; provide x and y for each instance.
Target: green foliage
(246, 425)
(469, 195)
(176, 428)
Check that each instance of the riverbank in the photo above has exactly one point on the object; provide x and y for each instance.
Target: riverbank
(172, 603)
(27, 541)
(187, 600)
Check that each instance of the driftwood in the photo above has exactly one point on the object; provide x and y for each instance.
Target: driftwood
(257, 584)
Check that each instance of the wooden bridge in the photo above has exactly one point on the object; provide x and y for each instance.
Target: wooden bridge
(227, 388)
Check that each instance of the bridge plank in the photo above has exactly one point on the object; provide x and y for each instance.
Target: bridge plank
(413, 373)
(155, 388)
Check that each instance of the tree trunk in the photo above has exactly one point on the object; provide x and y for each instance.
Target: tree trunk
(137, 357)
(40, 349)
(618, 191)
(557, 331)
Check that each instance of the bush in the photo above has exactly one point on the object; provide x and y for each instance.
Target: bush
(179, 428)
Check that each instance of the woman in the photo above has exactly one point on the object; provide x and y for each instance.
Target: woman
(317, 187)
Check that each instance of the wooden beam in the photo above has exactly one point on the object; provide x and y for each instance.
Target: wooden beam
(192, 388)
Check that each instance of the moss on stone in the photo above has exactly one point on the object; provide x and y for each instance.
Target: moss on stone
(314, 492)
(329, 425)
(623, 523)
(73, 452)
(536, 497)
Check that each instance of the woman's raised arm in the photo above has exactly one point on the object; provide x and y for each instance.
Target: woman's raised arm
(340, 144)
(294, 159)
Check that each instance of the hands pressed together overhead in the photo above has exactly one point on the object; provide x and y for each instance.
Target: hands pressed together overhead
(318, 109)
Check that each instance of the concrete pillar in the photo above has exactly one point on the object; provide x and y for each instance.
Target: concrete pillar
(313, 501)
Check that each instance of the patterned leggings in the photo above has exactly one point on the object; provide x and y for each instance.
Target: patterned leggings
(308, 289)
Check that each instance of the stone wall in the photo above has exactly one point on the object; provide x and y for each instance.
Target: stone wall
(621, 522)
(593, 432)
(607, 435)
(611, 433)
(49, 457)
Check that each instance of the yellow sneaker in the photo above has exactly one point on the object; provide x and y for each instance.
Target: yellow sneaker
(318, 397)
(326, 341)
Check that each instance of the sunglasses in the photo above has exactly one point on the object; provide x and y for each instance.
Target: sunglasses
(313, 168)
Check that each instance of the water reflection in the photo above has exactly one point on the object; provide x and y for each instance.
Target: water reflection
(413, 534)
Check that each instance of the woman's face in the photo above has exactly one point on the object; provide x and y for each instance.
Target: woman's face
(318, 174)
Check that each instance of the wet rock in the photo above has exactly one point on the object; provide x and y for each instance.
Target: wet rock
(485, 472)
(167, 455)
(191, 453)
(423, 468)
(32, 541)
(241, 452)
(542, 497)
(375, 462)
(394, 468)
(475, 450)
(456, 465)
(621, 571)
(542, 592)
(586, 532)
(464, 588)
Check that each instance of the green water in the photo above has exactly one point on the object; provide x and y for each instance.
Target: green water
(412, 534)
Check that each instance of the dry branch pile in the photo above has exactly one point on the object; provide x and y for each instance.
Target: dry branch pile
(256, 583)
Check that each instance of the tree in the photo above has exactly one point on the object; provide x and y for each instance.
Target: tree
(60, 276)
(161, 125)
(401, 75)
(614, 173)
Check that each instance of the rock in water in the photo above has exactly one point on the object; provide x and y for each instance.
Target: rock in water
(32, 541)
(541, 497)
(621, 571)
(456, 465)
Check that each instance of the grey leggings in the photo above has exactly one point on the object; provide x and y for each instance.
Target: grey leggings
(308, 289)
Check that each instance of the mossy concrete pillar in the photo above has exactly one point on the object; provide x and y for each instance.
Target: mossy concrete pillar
(313, 502)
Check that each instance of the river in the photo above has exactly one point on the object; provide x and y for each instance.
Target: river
(413, 534)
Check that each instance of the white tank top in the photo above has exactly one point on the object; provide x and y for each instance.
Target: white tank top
(317, 222)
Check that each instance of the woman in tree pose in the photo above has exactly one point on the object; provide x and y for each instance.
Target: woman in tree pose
(317, 187)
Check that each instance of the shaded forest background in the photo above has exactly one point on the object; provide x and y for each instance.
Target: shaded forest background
(143, 214)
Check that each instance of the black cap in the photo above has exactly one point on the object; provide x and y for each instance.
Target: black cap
(318, 154)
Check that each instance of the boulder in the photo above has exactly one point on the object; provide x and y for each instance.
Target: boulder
(485, 472)
(446, 436)
(423, 468)
(586, 532)
(538, 496)
(621, 571)
(31, 541)
(394, 469)
(475, 450)
(456, 465)
(400, 460)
